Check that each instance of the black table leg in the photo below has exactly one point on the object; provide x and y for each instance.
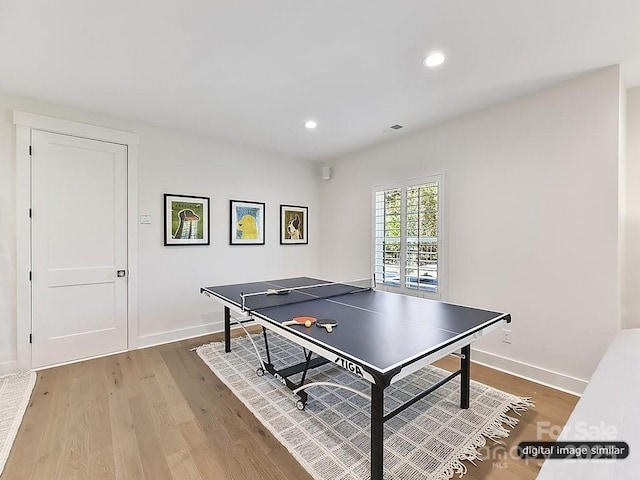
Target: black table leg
(227, 329)
(377, 431)
(465, 376)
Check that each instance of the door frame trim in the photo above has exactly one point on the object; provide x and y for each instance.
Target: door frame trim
(25, 122)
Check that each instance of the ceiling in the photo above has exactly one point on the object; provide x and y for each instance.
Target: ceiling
(253, 71)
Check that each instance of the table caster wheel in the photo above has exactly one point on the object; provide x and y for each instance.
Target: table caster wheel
(260, 371)
(300, 405)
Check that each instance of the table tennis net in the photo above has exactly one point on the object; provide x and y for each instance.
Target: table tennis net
(279, 296)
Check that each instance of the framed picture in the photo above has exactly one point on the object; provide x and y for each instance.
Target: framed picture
(186, 220)
(294, 223)
(247, 223)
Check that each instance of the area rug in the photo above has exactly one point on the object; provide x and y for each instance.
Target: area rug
(15, 392)
(331, 437)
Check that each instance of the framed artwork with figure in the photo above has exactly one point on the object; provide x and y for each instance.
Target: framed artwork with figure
(294, 221)
(246, 222)
(186, 220)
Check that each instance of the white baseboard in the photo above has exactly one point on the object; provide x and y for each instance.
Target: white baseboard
(559, 381)
(8, 367)
(154, 339)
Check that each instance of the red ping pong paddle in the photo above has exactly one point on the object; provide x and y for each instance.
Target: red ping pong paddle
(306, 321)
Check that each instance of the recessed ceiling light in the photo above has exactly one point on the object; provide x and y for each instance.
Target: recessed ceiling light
(433, 60)
(310, 124)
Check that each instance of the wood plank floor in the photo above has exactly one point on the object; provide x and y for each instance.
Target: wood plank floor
(160, 413)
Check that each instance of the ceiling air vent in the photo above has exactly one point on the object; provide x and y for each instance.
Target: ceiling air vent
(392, 128)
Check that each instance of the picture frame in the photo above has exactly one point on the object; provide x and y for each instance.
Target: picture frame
(246, 226)
(294, 225)
(186, 220)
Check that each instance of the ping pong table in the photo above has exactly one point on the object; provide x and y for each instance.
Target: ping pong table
(380, 336)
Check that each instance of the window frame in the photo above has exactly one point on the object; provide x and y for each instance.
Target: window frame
(403, 186)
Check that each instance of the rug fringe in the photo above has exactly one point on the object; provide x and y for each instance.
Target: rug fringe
(494, 431)
(209, 346)
(522, 405)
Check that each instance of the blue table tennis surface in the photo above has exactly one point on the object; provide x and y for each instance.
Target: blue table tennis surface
(380, 329)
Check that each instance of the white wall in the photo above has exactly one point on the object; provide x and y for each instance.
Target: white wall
(531, 214)
(170, 306)
(631, 263)
(7, 244)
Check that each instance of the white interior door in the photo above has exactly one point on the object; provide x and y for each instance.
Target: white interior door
(79, 244)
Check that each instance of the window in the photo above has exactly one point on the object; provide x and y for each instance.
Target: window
(408, 236)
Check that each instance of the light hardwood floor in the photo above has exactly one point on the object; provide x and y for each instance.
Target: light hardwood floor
(160, 413)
